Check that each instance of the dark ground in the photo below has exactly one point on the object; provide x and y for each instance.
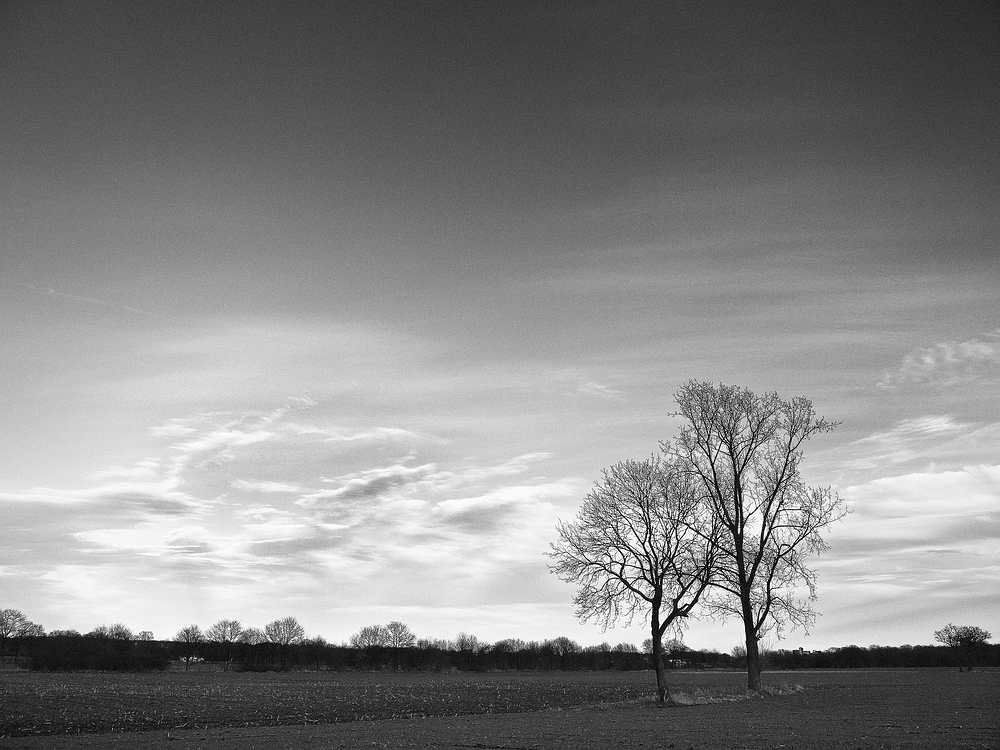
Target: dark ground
(871, 709)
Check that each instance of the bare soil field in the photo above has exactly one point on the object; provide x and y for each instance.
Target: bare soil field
(585, 711)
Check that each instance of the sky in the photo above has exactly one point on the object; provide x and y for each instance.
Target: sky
(334, 310)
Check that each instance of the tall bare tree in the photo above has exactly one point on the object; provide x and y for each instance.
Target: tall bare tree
(744, 449)
(642, 543)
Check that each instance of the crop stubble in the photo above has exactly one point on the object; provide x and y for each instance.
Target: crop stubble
(916, 709)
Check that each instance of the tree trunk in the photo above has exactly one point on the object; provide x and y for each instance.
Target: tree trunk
(753, 658)
(657, 656)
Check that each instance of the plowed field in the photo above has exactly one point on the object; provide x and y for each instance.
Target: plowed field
(915, 709)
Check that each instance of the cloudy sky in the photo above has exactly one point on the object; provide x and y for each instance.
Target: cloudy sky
(332, 310)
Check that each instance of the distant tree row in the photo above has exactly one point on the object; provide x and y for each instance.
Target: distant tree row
(885, 657)
(283, 645)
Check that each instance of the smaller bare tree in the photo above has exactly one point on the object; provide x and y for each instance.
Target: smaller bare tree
(643, 542)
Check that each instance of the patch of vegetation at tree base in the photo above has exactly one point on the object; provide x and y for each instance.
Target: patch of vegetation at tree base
(701, 696)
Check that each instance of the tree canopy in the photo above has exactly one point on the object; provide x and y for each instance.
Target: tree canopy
(961, 636)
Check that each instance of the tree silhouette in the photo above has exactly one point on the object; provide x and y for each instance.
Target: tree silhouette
(643, 542)
(225, 632)
(967, 640)
(744, 449)
(285, 633)
(189, 637)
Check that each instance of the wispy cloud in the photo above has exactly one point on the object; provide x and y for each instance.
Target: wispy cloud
(78, 299)
(142, 470)
(337, 434)
(283, 487)
(905, 441)
(948, 364)
(938, 441)
(575, 382)
(240, 500)
(121, 497)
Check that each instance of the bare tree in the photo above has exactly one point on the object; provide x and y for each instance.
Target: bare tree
(370, 636)
(13, 624)
(285, 632)
(965, 639)
(116, 632)
(467, 642)
(642, 543)
(469, 648)
(189, 637)
(252, 637)
(226, 632)
(744, 449)
(32, 630)
(562, 646)
(317, 645)
(439, 644)
(11, 621)
(399, 635)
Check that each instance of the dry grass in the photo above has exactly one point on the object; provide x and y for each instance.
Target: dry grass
(698, 696)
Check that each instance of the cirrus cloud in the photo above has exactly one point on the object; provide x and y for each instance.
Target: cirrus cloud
(948, 364)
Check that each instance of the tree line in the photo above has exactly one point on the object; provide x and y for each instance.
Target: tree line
(283, 645)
